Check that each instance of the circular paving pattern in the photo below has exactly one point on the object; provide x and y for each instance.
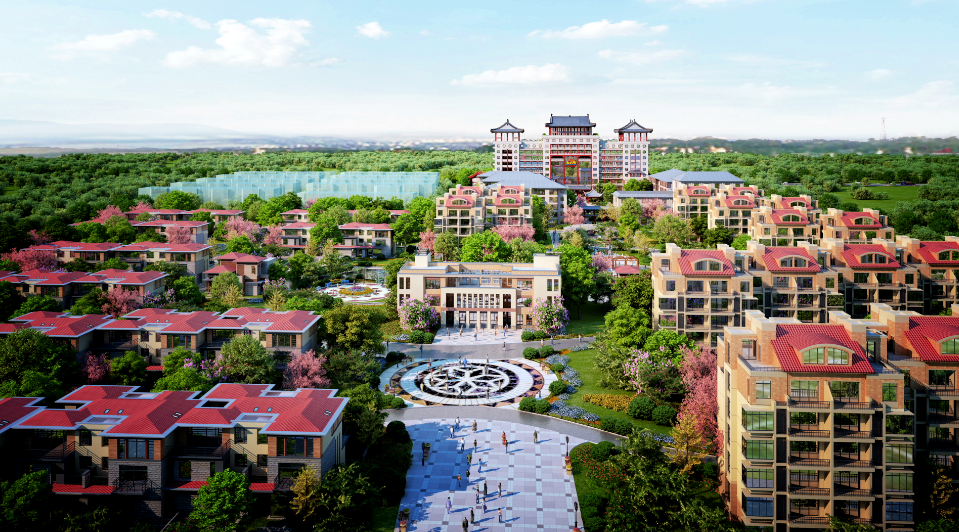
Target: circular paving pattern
(377, 293)
(446, 382)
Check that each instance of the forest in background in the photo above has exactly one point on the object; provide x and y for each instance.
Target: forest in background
(897, 146)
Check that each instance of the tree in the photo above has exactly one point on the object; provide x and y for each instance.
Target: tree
(717, 235)
(177, 199)
(349, 327)
(628, 326)
(417, 315)
(325, 229)
(32, 365)
(271, 213)
(427, 241)
(654, 209)
(346, 368)
(306, 485)
(305, 370)
(634, 184)
(129, 370)
(669, 344)
(38, 237)
(37, 304)
(841, 525)
(10, 299)
(522, 250)
(241, 244)
(236, 227)
(540, 218)
(33, 259)
(89, 303)
(941, 493)
(511, 232)
(578, 276)
(448, 246)
(643, 244)
(635, 291)
(118, 229)
(247, 361)
(698, 369)
(187, 379)
(186, 290)
(602, 263)
(407, 227)
(112, 263)
(740, 241)
(150, 236)
(549, 317)
(332, 260)
(107, 213)
(574, 215)
(223, 503)
(688, 446)
(369, 426)
(178, 234)
(27, 502)
(205, 216)
(341, 501)
(670, 228)
(118, 301)
(276, 301)
(273, 235)
(699, 224)
(484, 247)
(222, 283)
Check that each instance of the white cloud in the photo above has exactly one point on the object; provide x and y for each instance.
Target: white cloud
(879, 74)
(654, 43)
(641, 58)
(935, 94)
(325, 62)
(373, 30)
(521, 75)
(15, 77)
(603, 28)
(242, 45)
(426, 33)
(94, 44)
(175, 15)
(764, 61)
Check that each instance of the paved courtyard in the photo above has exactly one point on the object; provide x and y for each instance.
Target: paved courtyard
(537, 492)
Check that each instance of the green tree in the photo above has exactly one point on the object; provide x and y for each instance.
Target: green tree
(740, 241)
(298, 264)
(37, 304)
(332, 261)
(186, 290)
(484, 247)
(129, 370)
(669, 228)
(224, 503)
(639, 184)
(407, 228)
(33, 365)
(326, 229)
(204, 216)
(628, 326)
(27, 502)
(89, 303)
(669, 343)
(523, 250)
(540, 216)
(187, 379)
(177, 199)
(578, 274)
(271, 213)
(150, 236)
(369, 426)
(349, 327)
(346, 368)
(110, 264)
(699, 225)
(342, 500)
(717, 235)
(10, 299)
(78, 265)
(635, 291)
(118, 229)
(222, 283)
(240, 244)
(248, 361)
(447, 245)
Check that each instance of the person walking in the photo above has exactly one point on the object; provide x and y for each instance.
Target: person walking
(484, 506)
(500, 489)
(477, 495)
(462, 444)
(469, 459)
(457, 425)
(474, 425)
(500, 511)
(459, 480)
(451, 432)
(465, 525)
(484, 489)
(472, 518)
(467, 477)
(535, 436)
(480, 465)
(474, 445)
(449, 505)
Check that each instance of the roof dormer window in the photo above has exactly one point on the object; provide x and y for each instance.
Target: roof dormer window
(798, 204)
(950, 347)
(740, 202)
(793, 262)
(863, 221)
(708, 265)
(791, 218)
(949, 255)
(822, 355)
(873, 258)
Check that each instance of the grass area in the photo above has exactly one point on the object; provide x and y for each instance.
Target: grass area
(896, 194)
(384, 519)
(582, 361)
(391, 328)
(591, 322)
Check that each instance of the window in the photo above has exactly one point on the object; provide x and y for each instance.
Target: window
(890, 391)
(134, 449)
(182, 470)
(910, 278)
(432, 284)
(804, 389)
(899, 454)
(844, 390)
(860, 278)
(938, 275)
(261, 460)
(86, 438)
(838, 356)
(814, 356)
(759, 506)
(757, 420)
(294, 446)
(758, 478)
(898, 481)
(791, 262)
(782, 231)
(670, 286)
(941, 377)
(694, 286)
(749, 351)
(898, 511)
(950, 347)
(240, 434)
(758, 449)
(284, 340)
(763, 389)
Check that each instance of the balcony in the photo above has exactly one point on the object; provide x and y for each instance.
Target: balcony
(754, 365)
(134, 487)
(56, 454)
(803, 461)
(855, 405)
(853, 492)
(808, 491)
(810, 401)
(203, 451)
(941, 446)
(849, 462)
(943, 420)
(947, 390)
(807, 431)
(854, 433)
(813, 520)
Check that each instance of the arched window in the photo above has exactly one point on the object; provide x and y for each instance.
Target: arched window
(863, 221)
(793, 262)
(798, 204)
(824, 355)
(708, 265)
(791, 218)
(740, 202)
(508, 201)
(458, 202)
(950, 347)
(873, 258)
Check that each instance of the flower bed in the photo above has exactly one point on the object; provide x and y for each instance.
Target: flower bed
(604, 472)
(620, 403)
(356, 291)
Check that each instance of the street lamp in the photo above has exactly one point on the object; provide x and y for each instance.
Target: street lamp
(575, 510)
(567, 445)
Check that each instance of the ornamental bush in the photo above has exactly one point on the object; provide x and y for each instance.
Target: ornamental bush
(619, 403)
(527, 404)
(641, 408)
(617, 426)
(539, 335)
(603, 450)
(528, 336)
(542, 406)
(557, 387)
(530, 353)
(546, 351)
(419, 315)
(664, 415)
(557, 368)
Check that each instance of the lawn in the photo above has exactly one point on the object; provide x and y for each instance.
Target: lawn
(896, 194)
(582, 361)
(592, 322)
(384, 519)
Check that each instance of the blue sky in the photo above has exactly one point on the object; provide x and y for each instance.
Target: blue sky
(726, 68)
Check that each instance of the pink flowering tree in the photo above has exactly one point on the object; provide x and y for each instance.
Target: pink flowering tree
(581, 200)
(602, 263)
(654, 209)
(108, 213)
(574, 215)
(416, 315)
(698, 372)
(237, 226)
(38, 237)
(305, 370)
(119, 301)
(33, 259)
(141, 207)
(427, 241)
(273, 235)
(309, 203)
(551, 317)
(510, 232)
(214, 369)
(96, 368)
(178, 234)
(654, 375)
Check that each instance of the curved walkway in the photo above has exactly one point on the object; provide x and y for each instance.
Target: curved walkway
(537, 421)
(498, 351)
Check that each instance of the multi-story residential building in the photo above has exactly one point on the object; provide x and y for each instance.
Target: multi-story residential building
(198, 230)
(732, 208)
(364, 238)
(394, 213)
(794, 282)
(665, 196)
(296, 215)
(77, 332)
(481, 294)
(552, 193)
(691, 201)
(252, 270)
(812, 416)
(873, 273)
(571, 154)
(699, 291)
(468, 210)
(156, 450)
(218, 215)
(784, 227)
(195, 258)
(296, 234)
(67, 287)
(67, 251)
(856, 227)
(670, 179)
(937, 265)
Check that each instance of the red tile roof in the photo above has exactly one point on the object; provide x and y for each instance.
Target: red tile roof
(283, 321)
(59, 324)
(13, 409)
(299, 225)
(778, 214)
(171, 321)
(76, 489)
(360, 225)
(730, 202)
(925, 331)
(848, 219)
(296, 211)
(792, 339)
(47, 278)
(162, 246)
(80, 246)
(626, 270)
(240, 257)
(689, 257)
(226, 212)
(167, 223)
(774, 255)
(929, 252)
(787, 202)
(699, 191)
(220, 269)
(852, 252)
(122, 277)
(739, 190)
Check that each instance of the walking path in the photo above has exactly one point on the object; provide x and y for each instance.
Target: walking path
(537, 493)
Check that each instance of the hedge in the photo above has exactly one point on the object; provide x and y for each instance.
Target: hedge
(546, 351)
(557, 368)
(528, 336)
(527, 404)
(530, 353)
(641, 408)
(619, 403)
(543, 406)
(557, 387)
(616, 425)
(664, 415)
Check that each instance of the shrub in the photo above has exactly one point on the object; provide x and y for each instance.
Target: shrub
(393, 357)
(530, 353)
(539, 335)
(641, 408)
(557, 387)
(528, 336)
(607, 424)
(397, 402)
(593, 508)
(594, 522)
(546, 351)
(619, 403)
(708, 470)
(543, 406)
(664, 415)
(557, 368)
(428, 338)
(624, 427)
(602, 450)
(364, 263)
(416, 337)
(527, 404)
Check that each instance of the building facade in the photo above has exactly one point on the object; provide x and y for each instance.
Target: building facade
(252, 270)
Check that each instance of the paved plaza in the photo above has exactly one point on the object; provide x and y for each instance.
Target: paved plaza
(537, 492)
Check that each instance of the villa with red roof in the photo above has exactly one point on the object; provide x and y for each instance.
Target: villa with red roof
(296, 234)
(873, 273)
(394, 213)
(198, 230)
(158, 449)
(195, 258)
(937, 272)
(78, 332)
(700, 291)
(93, 253)
(296, 215)
(361, 239)
(252, 270)
(856, 227)
(794, 282)
(691, 201)
(67, 287)
(467, 210)
(815, 423)
(784, 227)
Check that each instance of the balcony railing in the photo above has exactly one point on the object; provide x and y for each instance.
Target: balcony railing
(134, 487)
(203, 451)
(853, 405)
(842, 432)
(850, 491)
(803, 432)
(802, 461)
(808, 490)
(941, 419)
(282, 483)
(845, 461)
(808, 520)
(943, 390)
(937, 445)
(56, 454)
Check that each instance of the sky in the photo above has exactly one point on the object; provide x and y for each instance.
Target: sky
(784, 69)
